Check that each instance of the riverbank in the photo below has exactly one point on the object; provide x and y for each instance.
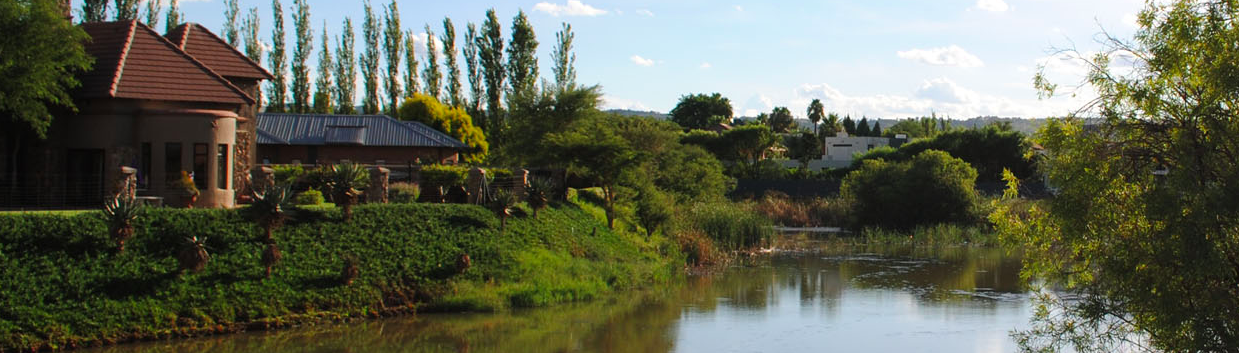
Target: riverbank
(63, 286)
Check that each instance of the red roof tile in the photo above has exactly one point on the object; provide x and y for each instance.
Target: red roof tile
(215, 52)
(132, 61)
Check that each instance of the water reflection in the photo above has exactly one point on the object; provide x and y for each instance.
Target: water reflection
(834, 299)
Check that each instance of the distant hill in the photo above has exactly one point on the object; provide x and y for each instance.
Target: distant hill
(629, 112)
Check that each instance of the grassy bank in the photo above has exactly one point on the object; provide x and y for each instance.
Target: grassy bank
(62, 285)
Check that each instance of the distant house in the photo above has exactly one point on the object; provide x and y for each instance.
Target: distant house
(161, 105)
(842, 147)
(370, 139)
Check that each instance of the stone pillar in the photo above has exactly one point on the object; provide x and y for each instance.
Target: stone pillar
(520, 178)
(475, 184)
(125, 183)
(377, 191)
(261, 178)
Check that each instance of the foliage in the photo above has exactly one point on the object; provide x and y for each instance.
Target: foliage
(533, 117)
(454, 96)
(370, 34)
(816, 112)
(817, 212)
(862, 127)
(120, 212)
(288, 174)
(923, 127)
(268, 208)
(186, 184)
(849, 125)
(303, 47)
(539, 193)
(689, 173)
(231, 33)
(522, 57)
(277, 62)
(490, 54)
(432, 78)
(931, 188)
(453, 121)
(403, 192)
(594, 150)
(324, 84)
(989, 150)
(781, 120)
(565, 60)
(748, 144)
(473, 72)
(309, 197)
(700, 111)
(445, 176)
(38, 58)
(654, 208)
(346, 69)
(411, 84)
(501, 201)
(393, 50)
(803, 147)
(94, 10)
(253, 44)
(174, 16)
(346, 182)
(729, 225)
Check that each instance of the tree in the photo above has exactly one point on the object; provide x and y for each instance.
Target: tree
(565, 60)
(94, 10)
(877, 128)
(127, 9)
(931, 188)
(594, 150)
(816, 113)
(346, 70)
(749, 143)
(831, 125)
(453, 121)
(848, 125)
(862, 127)
(533, 117)
(1141, 231)
(231, 32)
(490, 55)
(38, 57)
(803, 148)
(153, 10)
(302, 49)
(411, 85)
(253, 45)
(393, 46)
(454, 95)
(370, 103)
(700, 111)
(323, 85)
(522, 56)
(654, 208)
(174, 16)
(781, 120)
(474, 72)
(430, 71)
(276, 62)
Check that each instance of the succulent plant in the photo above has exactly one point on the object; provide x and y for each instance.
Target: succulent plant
(501, 202)
(120, 212)
(346, 181)
(268, 208)
(539, 193)
(193, 257)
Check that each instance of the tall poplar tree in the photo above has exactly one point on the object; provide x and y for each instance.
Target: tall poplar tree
(174, 16)
(153, 9)
(490, 55)
(346, 70)
(454, 95)
(522, 56)
(411, 85)
(231, 11)
(303, 47)
(431, 73)
(565, 60)
(371, 102)
(94, 10)
(253, 45)
(474, 72)
(323, 85)
(127, 9)
(393, 47)
(278, 88)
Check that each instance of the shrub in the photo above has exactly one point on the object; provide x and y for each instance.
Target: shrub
(730, 225)
(288, 174)
(931, 188)
(403, 193)
(445, 176)
(309, 198)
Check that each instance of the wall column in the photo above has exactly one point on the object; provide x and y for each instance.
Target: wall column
(377, 191)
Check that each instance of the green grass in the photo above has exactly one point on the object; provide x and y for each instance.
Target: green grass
(62, 286)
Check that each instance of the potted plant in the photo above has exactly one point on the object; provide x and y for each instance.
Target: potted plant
(189, 191)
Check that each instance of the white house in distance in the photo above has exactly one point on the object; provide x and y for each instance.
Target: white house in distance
(838, 150)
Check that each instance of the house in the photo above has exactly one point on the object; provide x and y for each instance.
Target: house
(838, 150)
(161, 105)
(371, 139)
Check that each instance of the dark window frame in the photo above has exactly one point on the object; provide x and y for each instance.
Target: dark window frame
(200, 165)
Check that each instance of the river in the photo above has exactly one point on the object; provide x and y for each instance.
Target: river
(833, 298)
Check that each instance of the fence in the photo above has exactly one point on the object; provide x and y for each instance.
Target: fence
(52, 191)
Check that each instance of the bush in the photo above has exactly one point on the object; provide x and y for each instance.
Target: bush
(446, 176)
(309, 197)
(288, 174)
(403, 193)
(932, 188)
(730, 225)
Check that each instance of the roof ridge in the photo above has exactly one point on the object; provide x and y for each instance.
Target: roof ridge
(124, 56)
(197, 63)
(231, 48)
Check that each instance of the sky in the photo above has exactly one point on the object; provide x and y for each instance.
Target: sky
(875, 58)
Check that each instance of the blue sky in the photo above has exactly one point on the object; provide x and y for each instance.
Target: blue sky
(879, 58)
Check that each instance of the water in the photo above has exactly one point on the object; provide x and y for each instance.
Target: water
(837, 299)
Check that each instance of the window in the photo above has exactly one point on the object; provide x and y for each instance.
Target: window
(144, 167)
(841, 145)
(172, 162)
(221, 166)
(200, 165)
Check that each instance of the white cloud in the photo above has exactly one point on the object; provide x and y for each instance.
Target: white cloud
(1131, 20)
(739, 8)
(944, 90)
(644, 12)
(637, 59)
(572, 8)
(992, 5)
(420, 40)
(706, 65)
(945, 56)
(757, 104)
(941, 96)
(621, 103)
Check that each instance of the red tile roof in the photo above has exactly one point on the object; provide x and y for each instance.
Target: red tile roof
(215, 52)
(132, 61)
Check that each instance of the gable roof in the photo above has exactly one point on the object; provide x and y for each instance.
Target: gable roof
(361, 130)
(217, 54)
(132, 61)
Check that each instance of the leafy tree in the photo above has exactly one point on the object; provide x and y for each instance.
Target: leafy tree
(324, 85)
(594, 150)
(153, 10)
(38, 56)
(848, 125)
(411, 84)
(700, 111)
(453, 121)
(565, 60)
(831, 125)
(346, 70)
(931, 188)
(174, 16)
(546, 112)
(490, 55)
(877, 128)
(803, 147)
(302, 49)
(94, 10)
(522, 56)
(231, 32)
(127, 9)
(862, 127)
(654, 209)
(1142, 228)
(750, 143)
(430, 72)
(371, 102)
(781, 120)
(279, 86)
(816, 113)
(253, 45)
(454, 96)
(393, 47)
(473, 70)
(689, 173)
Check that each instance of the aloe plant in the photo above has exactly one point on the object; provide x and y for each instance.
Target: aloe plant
(346, 181)
(120, 212)
(501, 202)
(539, 193)
(271, 256)
(268, 208)
(193, 257)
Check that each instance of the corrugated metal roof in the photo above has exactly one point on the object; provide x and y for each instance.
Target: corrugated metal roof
(366, 130)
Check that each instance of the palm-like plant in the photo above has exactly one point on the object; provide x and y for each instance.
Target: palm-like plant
(346, 181)
(539, 193)
(501, 202)
(120, 213)
(269, 207)
(194, 256)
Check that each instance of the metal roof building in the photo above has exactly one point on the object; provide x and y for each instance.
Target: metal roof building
(357, 130)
